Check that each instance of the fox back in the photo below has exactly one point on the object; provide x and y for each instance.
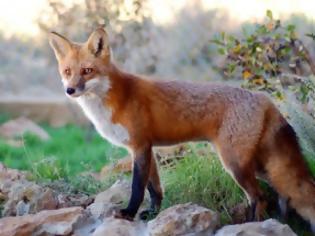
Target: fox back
(251, 136)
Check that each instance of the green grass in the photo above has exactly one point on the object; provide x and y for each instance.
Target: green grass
(310, 160)
(70, 150)
(201, 180)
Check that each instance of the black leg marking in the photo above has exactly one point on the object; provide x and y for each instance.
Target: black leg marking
(139, 181)
(137, 193)
(252, 211)
(156, 199)
(283, 205)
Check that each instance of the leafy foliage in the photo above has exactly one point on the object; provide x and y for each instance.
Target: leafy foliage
(270, 58)
(79, 19)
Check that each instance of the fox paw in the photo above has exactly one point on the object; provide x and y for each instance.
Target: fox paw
(123, 214)
(148, 214)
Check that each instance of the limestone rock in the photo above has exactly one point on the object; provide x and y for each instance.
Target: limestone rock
(70, 200)
(101, 210)
(239, 213)
(10, 174)
(119, 227)
(118, 193)
(184, 219)
(23, 207)
(86, 226)
(50, 222)
(123, 165)
(39, 198)
(2, 197)
(7, 178)
(18, 127)
(56, 111)
(268, 227)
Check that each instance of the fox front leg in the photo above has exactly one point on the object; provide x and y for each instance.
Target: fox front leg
(141, 170)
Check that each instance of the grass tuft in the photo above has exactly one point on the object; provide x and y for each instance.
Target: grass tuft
(201, 180)
(70, 150)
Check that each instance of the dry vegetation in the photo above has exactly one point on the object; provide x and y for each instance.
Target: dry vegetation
(258, 56)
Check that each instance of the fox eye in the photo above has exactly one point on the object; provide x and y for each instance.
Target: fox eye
(67, 72)
(86, 71)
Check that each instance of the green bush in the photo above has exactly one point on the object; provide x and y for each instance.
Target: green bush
(271, 57)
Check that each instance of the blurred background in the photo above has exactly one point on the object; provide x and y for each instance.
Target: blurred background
(167, 39)
(212, 40)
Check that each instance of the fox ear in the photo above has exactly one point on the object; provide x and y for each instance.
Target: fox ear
(60, 44)
(98, 44)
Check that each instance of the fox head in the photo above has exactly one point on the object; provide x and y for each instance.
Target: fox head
(81, 66)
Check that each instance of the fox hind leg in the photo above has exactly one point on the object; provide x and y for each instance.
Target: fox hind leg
(243, 172)
(248, 182)
(283, 206)
(155, 191)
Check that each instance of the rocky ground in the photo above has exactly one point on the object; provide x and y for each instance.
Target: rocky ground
(33, 209)
(30, 208)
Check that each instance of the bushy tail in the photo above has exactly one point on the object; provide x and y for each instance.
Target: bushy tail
(289, 174)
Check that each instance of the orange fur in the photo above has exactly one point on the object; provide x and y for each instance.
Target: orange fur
(251, 136)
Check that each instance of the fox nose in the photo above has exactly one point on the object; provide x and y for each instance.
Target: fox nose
(70, 91)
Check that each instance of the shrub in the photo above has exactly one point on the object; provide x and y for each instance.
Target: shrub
(271, 58)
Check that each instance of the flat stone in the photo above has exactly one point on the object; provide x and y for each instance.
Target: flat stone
(184, 219)
(50, 222)
(270, 227)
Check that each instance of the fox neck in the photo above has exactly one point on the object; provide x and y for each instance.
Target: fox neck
(97, 106)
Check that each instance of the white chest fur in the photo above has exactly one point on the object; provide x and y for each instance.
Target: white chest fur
(100, 116)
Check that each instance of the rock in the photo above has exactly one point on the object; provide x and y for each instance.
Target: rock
(101, 210)
(51, 222)
(2, 197)
(17, 128)
(23, 207)
(39, 198)
(7, 178)
(184, 219)
(10, 174)
(114, 198)
(86, 226)
(56, 111)
(239, 213)
(118, 193)
(70, 200)
(268, 227)
(119, 227)
(123, 165)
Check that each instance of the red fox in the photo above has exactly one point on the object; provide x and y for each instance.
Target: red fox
(251, 136)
